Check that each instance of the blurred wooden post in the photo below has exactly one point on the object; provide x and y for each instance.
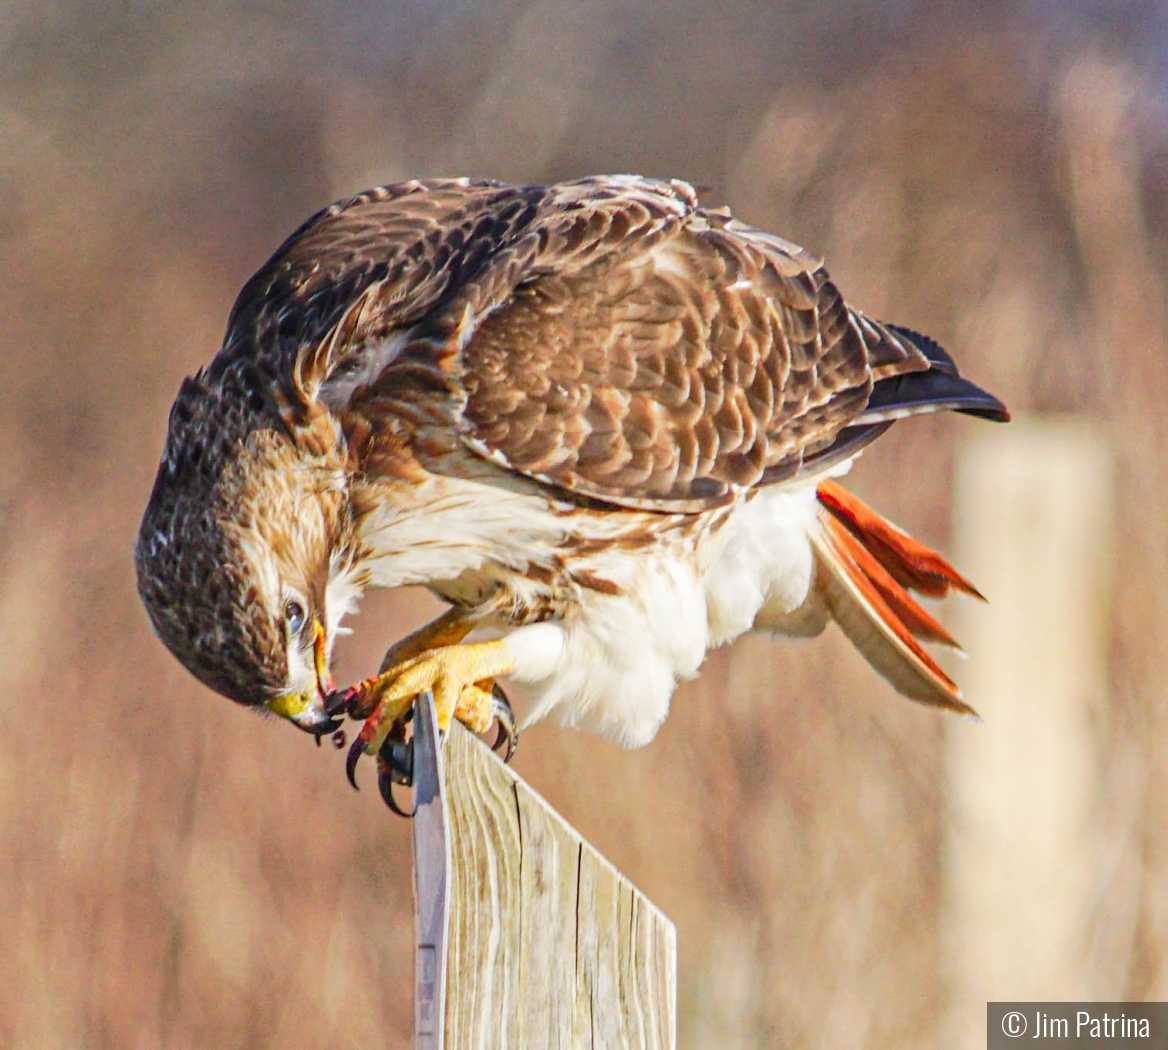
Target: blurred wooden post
(547, 944)
(1034, 529)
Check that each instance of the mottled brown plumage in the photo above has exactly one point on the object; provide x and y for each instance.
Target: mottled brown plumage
(501, 392)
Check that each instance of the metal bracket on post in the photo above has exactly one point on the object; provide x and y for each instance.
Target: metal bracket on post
(431, 870)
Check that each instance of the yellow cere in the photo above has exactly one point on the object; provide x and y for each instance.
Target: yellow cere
(289, 705)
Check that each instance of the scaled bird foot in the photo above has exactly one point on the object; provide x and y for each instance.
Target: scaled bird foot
(462, 680)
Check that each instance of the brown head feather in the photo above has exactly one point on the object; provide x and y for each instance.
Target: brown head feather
(239, 510)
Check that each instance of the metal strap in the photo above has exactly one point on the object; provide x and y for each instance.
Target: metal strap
(431, 867)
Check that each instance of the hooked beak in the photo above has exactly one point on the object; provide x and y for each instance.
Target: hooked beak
(307, 710)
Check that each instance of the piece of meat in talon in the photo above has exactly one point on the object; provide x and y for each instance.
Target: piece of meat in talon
(339, 701)
(508, 731)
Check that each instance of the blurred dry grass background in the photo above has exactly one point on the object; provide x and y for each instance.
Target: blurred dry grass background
(173, 872)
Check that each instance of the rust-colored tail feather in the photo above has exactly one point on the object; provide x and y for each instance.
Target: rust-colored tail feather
(868, 567)
(910, 562)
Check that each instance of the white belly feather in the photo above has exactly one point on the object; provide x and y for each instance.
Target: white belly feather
(611, 665)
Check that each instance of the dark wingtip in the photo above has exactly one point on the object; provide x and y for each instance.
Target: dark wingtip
(988, 407)
(985, 407)
(940, 387)
(931, 391)
(1002, 416)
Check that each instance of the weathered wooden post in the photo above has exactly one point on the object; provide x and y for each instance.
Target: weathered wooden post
(527, 937)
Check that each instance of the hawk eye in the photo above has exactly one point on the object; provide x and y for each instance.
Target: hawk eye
(294, 616)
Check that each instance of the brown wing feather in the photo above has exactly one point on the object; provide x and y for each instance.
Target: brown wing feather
(668, 376)
(607, 337)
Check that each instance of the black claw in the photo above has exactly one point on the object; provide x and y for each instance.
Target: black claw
(508, 731)
(356, 750)
(395, 765)
(385, 782)
(396, 758)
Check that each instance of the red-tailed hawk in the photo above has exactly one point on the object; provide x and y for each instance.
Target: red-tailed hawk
(601, 421)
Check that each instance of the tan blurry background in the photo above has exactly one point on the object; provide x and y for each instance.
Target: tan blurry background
(175, 872)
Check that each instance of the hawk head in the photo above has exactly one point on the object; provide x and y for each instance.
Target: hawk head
(242, 550)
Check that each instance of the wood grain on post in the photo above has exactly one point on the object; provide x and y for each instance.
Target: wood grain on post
(548, 944)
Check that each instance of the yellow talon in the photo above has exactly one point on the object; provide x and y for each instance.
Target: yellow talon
(453, 673)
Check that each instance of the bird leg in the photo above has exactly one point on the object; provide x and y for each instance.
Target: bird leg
(448, 629)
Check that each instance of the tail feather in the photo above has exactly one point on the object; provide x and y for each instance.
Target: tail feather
(900, 603)
(910, 562)
(867, 568)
